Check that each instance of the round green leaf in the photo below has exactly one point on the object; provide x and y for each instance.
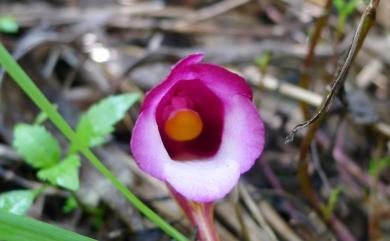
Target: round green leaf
(64, 174)
(36, 145)
(17, 202)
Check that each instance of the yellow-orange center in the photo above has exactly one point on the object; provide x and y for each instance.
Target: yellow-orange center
(183, 125)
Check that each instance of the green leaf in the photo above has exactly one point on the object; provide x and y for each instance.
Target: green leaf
(351, 6)
(264, 60)
(339, 5)
(17, 202)
(20, 228)
(8, 25)
(334, 196)
(70, 204)
(99, 120)
(36, 145)
(64, 174)
(376, 166)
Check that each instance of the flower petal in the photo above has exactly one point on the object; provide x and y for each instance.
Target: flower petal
(177, 73)
(223, 82)
(189, 60)
(203, 181)
(147, 147)
(208, 105)
(242, 143)
(243, 134)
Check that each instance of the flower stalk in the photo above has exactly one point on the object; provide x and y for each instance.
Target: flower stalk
(201, 216)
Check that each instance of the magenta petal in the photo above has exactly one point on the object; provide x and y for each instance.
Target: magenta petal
(225, 83)
(242, 143)
(177, 73)
(147, 147)
(146, 143)
(203, 181)
(189, 60)
(221, 81)
(243, 135)
(209, 106)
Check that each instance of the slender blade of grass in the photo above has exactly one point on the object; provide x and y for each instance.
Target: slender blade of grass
(19, 228)
(28, 86)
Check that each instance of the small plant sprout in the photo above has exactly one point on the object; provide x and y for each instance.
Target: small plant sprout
(18, 201)
(333, 198)
(41, 150)
(8, 25)
(198, 131)
(344, 8)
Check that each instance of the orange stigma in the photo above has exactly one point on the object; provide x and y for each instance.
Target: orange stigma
(183, 125)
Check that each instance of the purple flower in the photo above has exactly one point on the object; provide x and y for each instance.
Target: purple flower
(198, 130)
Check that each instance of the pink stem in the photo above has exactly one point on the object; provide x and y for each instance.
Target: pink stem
(200, 215)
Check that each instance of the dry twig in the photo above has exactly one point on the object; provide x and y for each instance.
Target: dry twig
(366, 21)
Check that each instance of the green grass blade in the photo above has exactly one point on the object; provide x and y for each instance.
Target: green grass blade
(19, 228)
(28, 86)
